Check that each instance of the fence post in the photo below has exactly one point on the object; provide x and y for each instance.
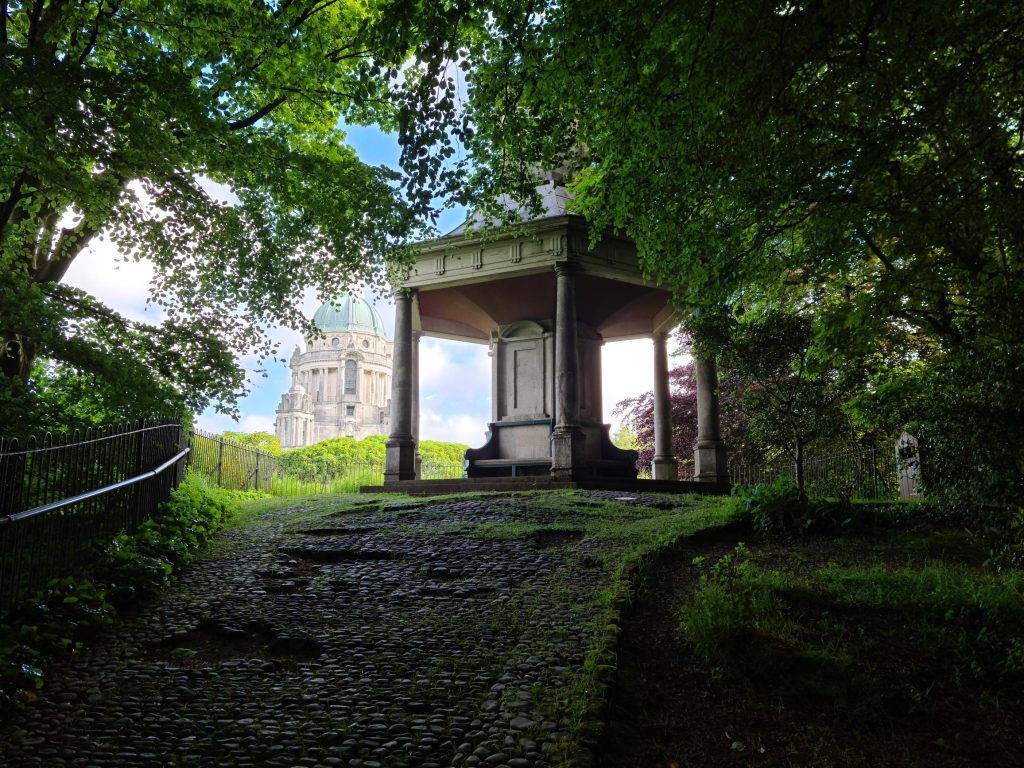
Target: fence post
(256, 478)
(220, 459)
(874, 473)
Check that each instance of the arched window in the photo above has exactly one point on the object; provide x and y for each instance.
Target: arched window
(350, 377)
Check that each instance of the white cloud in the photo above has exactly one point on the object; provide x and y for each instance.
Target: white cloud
(208, 421)
(122, 285)
(455, 391)
(457, 428)
(219, 422)
(627, 371)
(222, 193)
(256, 422)
(453, 366)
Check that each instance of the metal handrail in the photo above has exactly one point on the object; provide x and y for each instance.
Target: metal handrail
(91, 494)
(99, 439)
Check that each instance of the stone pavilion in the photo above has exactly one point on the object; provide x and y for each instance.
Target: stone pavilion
(545, 300)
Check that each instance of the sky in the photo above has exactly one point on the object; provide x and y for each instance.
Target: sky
(455, 377)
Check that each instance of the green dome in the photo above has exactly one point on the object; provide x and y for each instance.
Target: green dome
(349, 313)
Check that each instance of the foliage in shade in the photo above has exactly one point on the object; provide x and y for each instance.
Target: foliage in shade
(792, 401)
(863, 160)
(762, 625)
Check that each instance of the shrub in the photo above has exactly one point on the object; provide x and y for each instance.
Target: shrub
(733, 595)
(776, 510)
(773, 508)
(1000, 533)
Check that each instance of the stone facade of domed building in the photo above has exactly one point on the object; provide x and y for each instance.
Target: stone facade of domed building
(341, 384)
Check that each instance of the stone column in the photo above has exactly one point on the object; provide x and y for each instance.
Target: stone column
(664, 466)
(400, 462)
(567, 437)
(710, 463)
(416, 398)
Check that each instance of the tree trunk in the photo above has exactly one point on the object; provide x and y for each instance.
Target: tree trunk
(800, 471)
(17, 358)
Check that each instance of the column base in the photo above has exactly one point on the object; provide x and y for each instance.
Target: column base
(399, 459)
(711, 462)
(567, 453)
(665, 468)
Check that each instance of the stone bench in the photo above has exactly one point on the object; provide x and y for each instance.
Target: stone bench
(509, 467)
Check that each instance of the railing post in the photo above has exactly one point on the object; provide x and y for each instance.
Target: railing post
(220, 459)
(874, 473)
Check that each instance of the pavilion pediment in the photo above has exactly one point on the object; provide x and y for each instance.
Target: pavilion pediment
(469, 286)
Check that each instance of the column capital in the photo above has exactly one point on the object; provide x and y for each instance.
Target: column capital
(403, 293)
(566, 268)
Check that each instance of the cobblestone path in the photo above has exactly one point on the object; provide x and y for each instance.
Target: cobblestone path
(337, 631)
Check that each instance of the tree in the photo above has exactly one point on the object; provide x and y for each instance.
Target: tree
(262, 441)
(872, 153)
(791, 401)
(624, 437)
(339, 454)
(333, 456)
(109, 369)
(437, 453)
(120, 120)
(637, 415)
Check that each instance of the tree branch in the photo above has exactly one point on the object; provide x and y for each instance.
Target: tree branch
(69, 244)
(873, 247)
(33, 24)
(44, 239)
(10, 205)
(312, 11)
(94, 33)
(258, 115)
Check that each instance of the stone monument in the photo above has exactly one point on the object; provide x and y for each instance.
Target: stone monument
(544, 299)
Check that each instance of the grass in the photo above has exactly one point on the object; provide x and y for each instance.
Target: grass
(937, 588)
(875, 640)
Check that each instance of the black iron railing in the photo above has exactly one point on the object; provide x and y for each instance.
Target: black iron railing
(230, 465)
(870, 474)
(63, 494)
(245, 468)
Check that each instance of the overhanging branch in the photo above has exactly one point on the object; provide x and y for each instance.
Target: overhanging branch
(258, 115)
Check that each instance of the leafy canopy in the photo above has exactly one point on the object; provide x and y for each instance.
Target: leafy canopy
(867, 156)
(206, 139)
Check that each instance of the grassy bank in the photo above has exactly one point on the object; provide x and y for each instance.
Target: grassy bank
(887, 647)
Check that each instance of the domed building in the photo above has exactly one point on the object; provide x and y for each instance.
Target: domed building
(341, 384)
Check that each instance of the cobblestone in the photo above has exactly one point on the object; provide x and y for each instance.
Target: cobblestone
(323, 634)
